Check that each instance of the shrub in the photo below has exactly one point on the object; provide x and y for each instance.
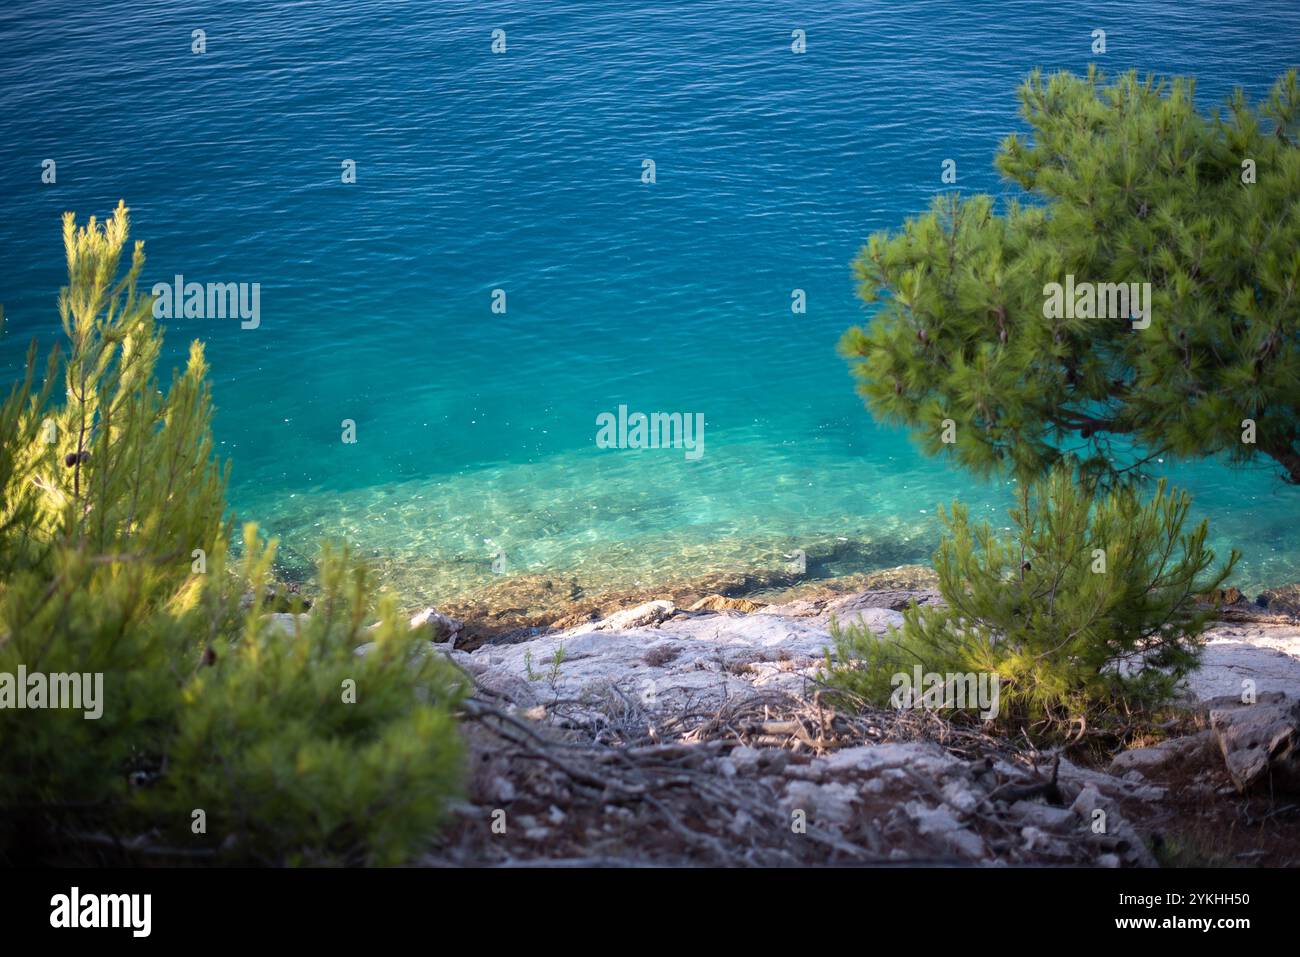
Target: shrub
(114, 549)
(1088, 608)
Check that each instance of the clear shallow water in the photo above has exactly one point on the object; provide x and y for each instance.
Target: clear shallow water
(523, 172)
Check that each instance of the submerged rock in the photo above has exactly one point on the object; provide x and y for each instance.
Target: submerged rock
(1222, 596)
(1281, 601)
(723, 603)
(279, 597)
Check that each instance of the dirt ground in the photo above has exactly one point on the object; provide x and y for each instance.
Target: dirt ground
(719, 794)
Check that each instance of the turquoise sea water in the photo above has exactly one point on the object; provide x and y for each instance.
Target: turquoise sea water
(522, 171)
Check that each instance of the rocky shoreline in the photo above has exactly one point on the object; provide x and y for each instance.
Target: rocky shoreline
(670, 733)
(521, 607)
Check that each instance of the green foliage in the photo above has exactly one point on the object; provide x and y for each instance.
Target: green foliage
(114, 560)
(328, 758)
(88, 565)
(1129, 183)
(1088, 607)
(553, 675)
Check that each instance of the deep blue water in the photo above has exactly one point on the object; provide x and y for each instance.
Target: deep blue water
(522, 171)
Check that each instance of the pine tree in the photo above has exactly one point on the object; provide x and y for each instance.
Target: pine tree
(1087, 609)
(115, 560)
(1127, 183)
